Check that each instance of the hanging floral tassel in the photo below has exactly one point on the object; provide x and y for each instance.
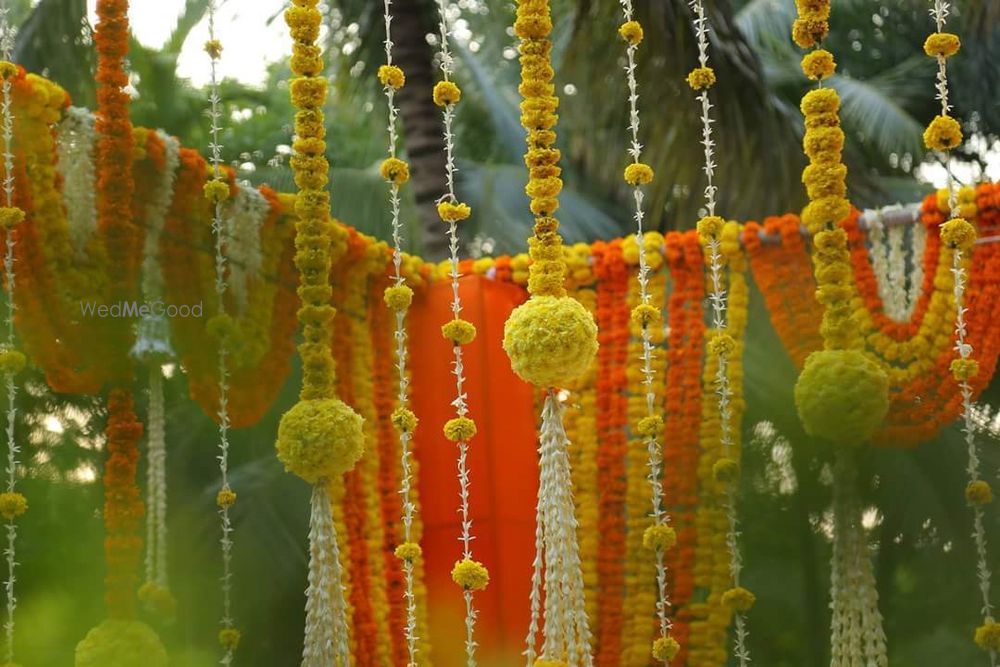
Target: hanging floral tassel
(325, 641)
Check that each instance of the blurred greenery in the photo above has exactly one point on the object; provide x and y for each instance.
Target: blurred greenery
(925, 565)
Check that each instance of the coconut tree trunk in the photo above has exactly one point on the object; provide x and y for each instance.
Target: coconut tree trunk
(423, 130)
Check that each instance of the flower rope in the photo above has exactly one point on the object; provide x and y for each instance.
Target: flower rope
(398, 298)
(721, 344)
(470, 574)
(660, 536)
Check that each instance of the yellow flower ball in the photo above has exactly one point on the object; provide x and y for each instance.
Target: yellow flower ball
(12, 361)
(807, 32)
(824, 212)
(942, 45)
(216, 191)
(447, 92)
(638, 173)
(988, 635)
(550, 340)
(470, 575)
(121, 643)
(320, 439)
(10, 216)
(645, 314)
(979, 492)
(958, 233)
(213, 48)
(710, 227)
(221, 327)
(409, 551)
(631, 32)
(308, 92)
(8, 70)
(964, 369)
(398, 297)
(404, 420)
(226, 497)
(842, 396)
(459, 332)
(532, 27)
(822, 100)
(943, 134)
(701, 77)
(818, 64)
(659, 537)
(721, 344)
(725, 470)
(391, 76)
(738, 599)
(665, 648)
(649, 427)
(158, 600)
(229, 638)
(453, 211)
(395, 171)
(460, 429)
(12, 505)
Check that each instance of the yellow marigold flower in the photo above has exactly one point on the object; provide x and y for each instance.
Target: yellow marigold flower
(221, 327)
(213, 48)
(631, 32)
(645, 314)
(979, 492)
(409, 551)
(229, 638)
(738, 599)
(807, 32)
(649, 427)
(404, 420)
(8, 70)
(12, 361)
(943, 134)
(701, 77)
(822, 100)
(964, 369)
(398, 297)
(216, 191)
(120, 642)
(532, 26)
(307, 59)
(659, 537)
(710, 227)
(942, 45)
(226, 497)
(395, 171)
(959, 233)
(825, 211)
(638, 173)
(304, 23)
(543, 188)
(453, 211)
(818, 64)
(10, 216)
(819, 9)
(308, 92)
(446, 92)
(988, 635)
(842, 396)
(460, 429)
(551, 340)
(665, 648)
(459, 332)
(391, 77)
(470, 575)
(320, 439)
(12, 505)
(721, 343)
(725, 470)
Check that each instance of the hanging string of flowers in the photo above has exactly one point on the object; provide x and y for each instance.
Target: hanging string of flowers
(320, 437)
(398, 298)
(551, 341)
(468, 573)
(660, 536)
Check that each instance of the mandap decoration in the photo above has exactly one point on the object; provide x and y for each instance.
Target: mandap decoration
(610, 470)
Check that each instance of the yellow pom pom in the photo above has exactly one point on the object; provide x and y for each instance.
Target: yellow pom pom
(807, 32)
(8, 70)
(460, 429)
(391, 77)
(964, 369)
(226, 497)
(988, 636)
(158, 600)
(725, 470)
(529, 26)
(12, 361)
(10, 216)
(649, 427)
(665, 648)
(822, 100)
(958, 233)
(824, 212)
(320, 439)
(942, 45)
(645, 314)
(213, 48)
(659, 537)
(721, 343)
(12, 505)
(395, 171)
(216, 191)
(453, 211)
(738, 599)
(842, 396)
(638, 173)
(229, 638)
(631, 32)
(979, 492)
(404, 420)
(701, 77)
(943, 134)
(818, 64)
(710, 227)
(120, 643)
(446, 92)
(398, 297)
(459, 332)
(221, 327)
(308, 92)
(409, 551)
(550, 340)
(470, 575)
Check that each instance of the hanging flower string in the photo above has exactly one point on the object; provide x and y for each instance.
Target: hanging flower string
(721, 344)
(398, 298)
(660, 536)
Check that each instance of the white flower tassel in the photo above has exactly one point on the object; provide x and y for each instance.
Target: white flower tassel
(75, 148)
(156, 485)
(326, 643)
